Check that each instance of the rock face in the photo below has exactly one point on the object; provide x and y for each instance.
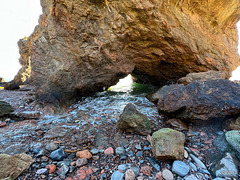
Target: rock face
(133, 121)
(5, 108)
(202, 101)
(202, 76)
(84, 46)
(168, 144)
(12, 166)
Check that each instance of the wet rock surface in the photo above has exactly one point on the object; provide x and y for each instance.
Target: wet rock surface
(202, 101)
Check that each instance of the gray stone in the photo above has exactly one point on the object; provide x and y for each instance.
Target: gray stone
(117, 175)
(66, 162)
(12, 166)
(41, 171)
(58, 155)
(51, 147)
(221, 143)
(154, 163)
(122, 167)
(191, 177)
(194, 168)
(41, 152)
(198, 162)
(131, 120)
(81, 161)
(139, 153)
(94, 151)
(233, 138)
(120, 151)
(180, 168)
(16, 148)
(135, 170)
(5, 108)
(167, 175)
(129, 175)
(227, 167)
(63, 171)
(138, 146)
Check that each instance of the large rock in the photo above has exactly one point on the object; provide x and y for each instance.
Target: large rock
(202, 76)
(12, 166)
(202, 101)
(84, 46)
(226, 167)
(168, 144)
(133, 121)
(233, 138)
(5, 108)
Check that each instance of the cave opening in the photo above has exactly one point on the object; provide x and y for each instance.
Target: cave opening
(236, 72)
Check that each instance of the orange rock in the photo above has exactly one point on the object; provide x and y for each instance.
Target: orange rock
(82, 173)
(109, 151)
(89, 171)
(146, 170)
(84, 154)
(52, 168)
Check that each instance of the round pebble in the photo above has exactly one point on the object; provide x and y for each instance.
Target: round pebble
(122, 167)
(41, 171)
(117, 175)
(129, 175)
(94, 151)
(167, 175)
(120, 151)
(139, 153)
(180, 168)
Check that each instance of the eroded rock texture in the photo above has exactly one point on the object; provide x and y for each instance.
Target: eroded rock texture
(86, 45)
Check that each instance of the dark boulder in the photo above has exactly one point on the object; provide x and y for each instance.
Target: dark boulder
(12, 85)
(133, 121)
(202, 101)
(5, 108)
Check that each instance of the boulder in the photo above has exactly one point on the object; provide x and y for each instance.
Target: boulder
(168, 144)
(202, 101)
(81, 47)
(202, 76)
(12, 166)
(226, 167)
(232, 124)
(5, 108)
(133, 121)
(233, 138)
(12, 85)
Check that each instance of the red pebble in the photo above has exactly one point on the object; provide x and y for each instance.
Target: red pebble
(109, 151)
(52, 168)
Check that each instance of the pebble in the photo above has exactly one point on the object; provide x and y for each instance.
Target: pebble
(109, 151)
(41, 171)
(185, 154)
(120, 151)
(140, 178)
(44, 159)
(198, 162)
(146, 170)
(159, 176)
(95, 158)
(63, 171)
(117, 175)
(2, 124)
(180, 168)
(129, 175)
(194, 168)
(191, 177)
(138, 146)
(58, 155)
(167, 175)
(81, 161)
(41, 152)
(51, 147)
(122, 167)
(84, 154)
(67, 163)
(52, 168)
(135, 170)
(130, 153)
(139, 153)
(94, 151)
(154, 163)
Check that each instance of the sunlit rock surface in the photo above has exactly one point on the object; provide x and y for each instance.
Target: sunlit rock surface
(85, 46)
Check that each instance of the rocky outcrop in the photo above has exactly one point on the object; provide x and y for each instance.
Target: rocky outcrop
(87, 45)
(202, 101)
(133, 121)
(168, 144)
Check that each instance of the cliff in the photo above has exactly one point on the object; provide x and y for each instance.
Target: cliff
(84, 46)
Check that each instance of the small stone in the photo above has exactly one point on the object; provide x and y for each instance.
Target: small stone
(63, 171)
(94, 151)
(194, 168)
(167, 175)
(95, 158)
(139, 153)
(159, 176)
(52, 168)
(51, 147)
(140, 178)
(84, 154)
(191, 177)
(41, 152)
(58, 155)
(129, 175)
(81, 161)
(120, 151)
(41, 171)
(198, 162)
(135, 170)
(180, 168)
(122, 167)
(109, 151)
(154, 163)
(138, 146)
(117, 175)
(146, 170)
(185, 154)
(44, 159)
(2, 124)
